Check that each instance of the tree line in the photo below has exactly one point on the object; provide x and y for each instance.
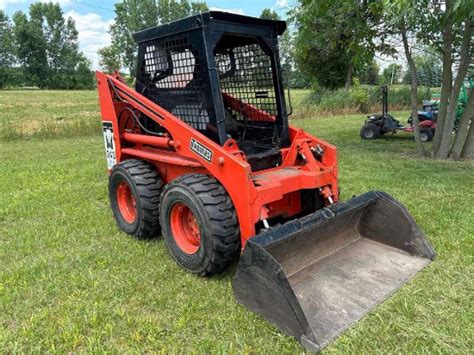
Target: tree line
(41, 49)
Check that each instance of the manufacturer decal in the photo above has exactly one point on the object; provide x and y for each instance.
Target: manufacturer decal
(201, 150)
(108, 131)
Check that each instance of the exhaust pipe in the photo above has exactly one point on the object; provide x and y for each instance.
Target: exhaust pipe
(315, 276)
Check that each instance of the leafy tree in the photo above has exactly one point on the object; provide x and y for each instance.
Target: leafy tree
(170, 10)
(392, 74)
(7, 57)
(198, 7)
(135, 15)
(286, 48)
(429, 70)
(31, 49)
(47, 47)
(336, 37)
(269, 14)
(369, 73)
(109, 59)
(131, 16)
(83, 77)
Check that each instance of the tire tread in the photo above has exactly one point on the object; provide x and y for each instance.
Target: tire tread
(220, 209)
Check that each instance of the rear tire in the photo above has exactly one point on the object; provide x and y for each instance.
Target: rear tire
(426, 134)
(199, 224)
(370, 131)
(134, 193)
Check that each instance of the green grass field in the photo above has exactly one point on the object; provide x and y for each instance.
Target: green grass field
(70, 281)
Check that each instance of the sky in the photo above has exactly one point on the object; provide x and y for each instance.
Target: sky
(93, 18)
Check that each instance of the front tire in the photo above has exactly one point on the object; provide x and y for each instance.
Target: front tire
(426, 134)
(134, 193)
(370, 131)
(199, 224)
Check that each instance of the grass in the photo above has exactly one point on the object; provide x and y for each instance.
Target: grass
(45, 113)
(71, 282)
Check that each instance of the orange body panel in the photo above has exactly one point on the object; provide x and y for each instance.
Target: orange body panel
(256, 195)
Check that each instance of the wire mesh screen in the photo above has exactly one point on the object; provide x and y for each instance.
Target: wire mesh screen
(246, 74)
(172, 75)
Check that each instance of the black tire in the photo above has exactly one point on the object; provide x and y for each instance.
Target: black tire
(370, 131)
(426, 134)
(214, 212)
(145, 185)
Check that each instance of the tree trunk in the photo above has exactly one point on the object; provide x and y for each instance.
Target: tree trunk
(468, 149)
(350, 71)
(414, 96)
(447, 77)
(445, 143)
(463, 128)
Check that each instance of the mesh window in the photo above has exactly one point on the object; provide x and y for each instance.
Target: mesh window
(173, 78)
(246, 74)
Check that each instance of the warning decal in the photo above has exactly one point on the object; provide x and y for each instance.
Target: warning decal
(108, 129)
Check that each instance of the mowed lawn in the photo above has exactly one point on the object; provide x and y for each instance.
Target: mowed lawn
(70, 281)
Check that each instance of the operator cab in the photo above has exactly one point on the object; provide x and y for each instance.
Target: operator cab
(220, 74)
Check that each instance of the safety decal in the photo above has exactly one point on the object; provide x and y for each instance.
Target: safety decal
(108, 130)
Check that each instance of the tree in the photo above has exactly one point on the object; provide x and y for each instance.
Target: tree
(429, 70)
(369, 73)
(464, 142)
(109, 59)
(446, 119)
(7, 57)
(47, 47)
(335, 38)
(392, 73)
(135, 15)
(269, 14)
(402, 17)
(171, 10)
(286, 49)
(31, 49)
(131, 16)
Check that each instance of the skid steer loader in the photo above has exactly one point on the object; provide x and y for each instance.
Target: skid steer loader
(201, 153)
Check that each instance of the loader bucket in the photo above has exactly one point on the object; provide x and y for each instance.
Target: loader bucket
(315, 276)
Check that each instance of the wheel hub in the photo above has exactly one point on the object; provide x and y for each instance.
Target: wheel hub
(185, 228)
(126, 202)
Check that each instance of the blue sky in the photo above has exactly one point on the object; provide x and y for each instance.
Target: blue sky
(93, 18)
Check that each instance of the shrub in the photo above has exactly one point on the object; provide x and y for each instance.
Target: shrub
(360, 98)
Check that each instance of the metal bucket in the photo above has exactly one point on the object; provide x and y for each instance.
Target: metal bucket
(315, 276)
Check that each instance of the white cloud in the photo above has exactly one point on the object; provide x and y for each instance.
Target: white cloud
(5, 3)
(237, 11)
(282, 4)
(93, 34)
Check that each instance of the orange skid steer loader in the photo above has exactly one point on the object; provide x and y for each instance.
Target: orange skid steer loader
(201, 153)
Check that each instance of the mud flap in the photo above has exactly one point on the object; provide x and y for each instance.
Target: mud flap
(315, 276)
